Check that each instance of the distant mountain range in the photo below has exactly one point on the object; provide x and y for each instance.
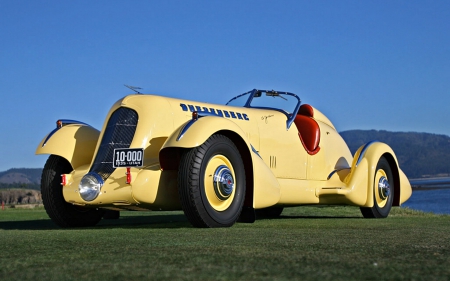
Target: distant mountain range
(21, 177)
(419, 155)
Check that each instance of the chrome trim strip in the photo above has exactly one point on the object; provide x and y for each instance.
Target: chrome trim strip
(335, 171)
(256, 152)
(70, 122)
(49, 136)
(64, 122)
(204, 114)
(185, 128)
(189, 124)
(363, 151)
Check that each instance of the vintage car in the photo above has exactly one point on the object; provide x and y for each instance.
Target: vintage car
(261, 152)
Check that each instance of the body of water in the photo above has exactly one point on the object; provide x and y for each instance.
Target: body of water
(430, 200)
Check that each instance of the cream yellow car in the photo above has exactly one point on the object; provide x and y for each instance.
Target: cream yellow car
(261, 152)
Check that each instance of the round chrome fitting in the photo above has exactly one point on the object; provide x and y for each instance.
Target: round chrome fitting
(223, 182)
(90, 186)
(384, 188)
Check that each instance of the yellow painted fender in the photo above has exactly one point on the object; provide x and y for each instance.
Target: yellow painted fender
(363, 174)
(76, 143)
(266, 189)
(192, 134)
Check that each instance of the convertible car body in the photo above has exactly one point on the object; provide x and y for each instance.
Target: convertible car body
(261, 152)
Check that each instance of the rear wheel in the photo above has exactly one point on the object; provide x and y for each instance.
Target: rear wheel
(383, 192)
(211, 183)
(61, 212)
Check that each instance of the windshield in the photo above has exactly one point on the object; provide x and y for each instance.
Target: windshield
(284, 102)
(240, 100)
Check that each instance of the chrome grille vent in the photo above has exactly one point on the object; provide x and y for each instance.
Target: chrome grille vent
(119, 133)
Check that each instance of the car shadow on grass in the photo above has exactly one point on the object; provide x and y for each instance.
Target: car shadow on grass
(28, 225)
(142, 221)
(153, 221)
(319, 217)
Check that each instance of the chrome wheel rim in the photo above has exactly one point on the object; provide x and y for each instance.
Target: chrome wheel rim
(219, 182)
(383, 188)
(223, 182)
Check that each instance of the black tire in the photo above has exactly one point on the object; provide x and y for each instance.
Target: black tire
(383, 196)
(61, 212)
(269, 213)
(205, 202)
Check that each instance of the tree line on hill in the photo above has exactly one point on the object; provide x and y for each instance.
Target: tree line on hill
(33, 186)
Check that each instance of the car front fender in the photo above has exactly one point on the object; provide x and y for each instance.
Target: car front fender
(194, 133)
(75, 142)
(266, 189)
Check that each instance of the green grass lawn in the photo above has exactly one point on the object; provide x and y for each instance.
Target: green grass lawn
(305, 243)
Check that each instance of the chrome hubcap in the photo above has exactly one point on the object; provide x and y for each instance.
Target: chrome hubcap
(383, 188)
(223, 182)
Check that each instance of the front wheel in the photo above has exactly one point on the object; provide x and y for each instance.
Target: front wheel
(383, 192)
(211, 183)
(61, 212)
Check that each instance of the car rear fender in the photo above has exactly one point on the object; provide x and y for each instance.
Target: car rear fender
(74, 142)
(263, 189)
(361, 178)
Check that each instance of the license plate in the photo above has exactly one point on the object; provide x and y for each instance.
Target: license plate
(128, 157)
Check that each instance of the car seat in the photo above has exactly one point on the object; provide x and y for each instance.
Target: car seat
(308, 129)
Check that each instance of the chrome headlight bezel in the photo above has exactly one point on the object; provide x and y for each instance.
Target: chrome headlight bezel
(90, 186)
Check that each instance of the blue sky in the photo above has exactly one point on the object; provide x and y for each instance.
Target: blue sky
(381, 65)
